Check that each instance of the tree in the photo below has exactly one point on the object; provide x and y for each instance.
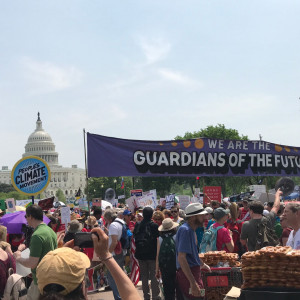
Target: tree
(230, 185)
(6, 188)
(60, 196)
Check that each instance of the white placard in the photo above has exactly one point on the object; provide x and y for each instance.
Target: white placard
(170, 200)
(20, 269)
(131, 202)
(184, 201)
(65, 215)
(146, 200)
(10, 204)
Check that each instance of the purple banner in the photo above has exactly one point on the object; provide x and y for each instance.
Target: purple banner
(111, 157)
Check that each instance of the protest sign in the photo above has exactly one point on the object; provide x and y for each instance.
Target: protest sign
(184, 201)
(2, 204)
(65, 215)
(146, 200)
(30, 175)
(26, 202)
(97, 278)
(151, 194)
(46, 204)
(212, 193)
(170, 199)
(97, 202)
(10, 204)
(131, 203)
(162, 202)
(110, 157)
(137, 193)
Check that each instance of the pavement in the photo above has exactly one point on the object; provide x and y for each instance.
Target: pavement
(108, 295)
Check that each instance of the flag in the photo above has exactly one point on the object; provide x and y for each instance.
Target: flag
(135, 268)
(122, 183)
(78, 194)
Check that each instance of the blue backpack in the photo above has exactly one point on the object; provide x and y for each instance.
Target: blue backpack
(209, 240)
(125, 238)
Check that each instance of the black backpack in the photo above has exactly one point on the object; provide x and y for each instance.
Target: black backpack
(142, 237)
(266, 235)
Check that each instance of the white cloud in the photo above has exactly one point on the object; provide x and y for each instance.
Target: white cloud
(177, 77)
(154, 49)
(45, 76)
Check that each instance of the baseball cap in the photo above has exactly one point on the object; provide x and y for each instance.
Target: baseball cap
(63, 266)
(220, 212)
(194, 209)
(126, 212)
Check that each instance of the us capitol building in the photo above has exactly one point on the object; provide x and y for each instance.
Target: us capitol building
(40, 144)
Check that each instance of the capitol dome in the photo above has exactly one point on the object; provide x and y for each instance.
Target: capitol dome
(40, 144)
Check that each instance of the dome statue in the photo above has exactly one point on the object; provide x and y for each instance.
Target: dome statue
(40, 144)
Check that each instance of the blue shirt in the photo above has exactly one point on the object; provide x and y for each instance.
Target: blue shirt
(186, 243)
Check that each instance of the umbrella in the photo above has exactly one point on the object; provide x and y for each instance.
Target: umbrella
(14, 221)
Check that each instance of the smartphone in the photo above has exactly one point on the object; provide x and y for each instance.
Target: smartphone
(84, 239)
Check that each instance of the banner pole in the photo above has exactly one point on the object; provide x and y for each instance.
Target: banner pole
(86, 172)
(32, 199)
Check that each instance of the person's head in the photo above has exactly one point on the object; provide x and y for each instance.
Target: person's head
(109, 215)
(139, 217)
(209, 211)
(158, 217)
(3, 233)
(74, 226)
(147, 213)
(127, 215)
(175, 211)
(53, 222)
(221, 215)
(292, 214)
(233, 211)
(195, 215)
(97, 213)
(167, 226)
(61, 274)
(214, 204)
(158, 208)
(34, 215)
(256, 208)
(167, 213)
(245, 204)
(269, 206)
(181, 213)
(91, 222)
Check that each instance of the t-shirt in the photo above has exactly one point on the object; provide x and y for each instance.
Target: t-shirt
(4, 266)
(115, 228)
(285, 234)
(243, 213)
(42, 241)
(249, 230)
(294, 241)
(186, 243)
(223, 237)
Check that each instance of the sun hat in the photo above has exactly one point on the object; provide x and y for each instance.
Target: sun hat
(195, 209)
(74, 226)
(167, 224)
(63, 266)
(220, 212)
(140, 214)
(91, 221)
(209, 210)
(126, 212)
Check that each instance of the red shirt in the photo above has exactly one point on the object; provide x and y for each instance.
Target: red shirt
(222, 238)
(243, 213)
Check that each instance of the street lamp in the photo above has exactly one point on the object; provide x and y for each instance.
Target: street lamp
(115, 182)
(102, 186)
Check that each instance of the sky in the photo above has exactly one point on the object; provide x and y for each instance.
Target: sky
(148, 70)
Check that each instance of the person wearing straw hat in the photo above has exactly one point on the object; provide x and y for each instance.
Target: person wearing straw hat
(73, 227)
(166, 257)
(188, 263)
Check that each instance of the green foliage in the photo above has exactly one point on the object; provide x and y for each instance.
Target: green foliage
(6, 188)
(216, 132)
(14, 194)
(60, 195)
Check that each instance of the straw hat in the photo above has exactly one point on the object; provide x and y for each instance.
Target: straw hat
(167, 225)
(91, 221)
(195, 209)
(74, 226)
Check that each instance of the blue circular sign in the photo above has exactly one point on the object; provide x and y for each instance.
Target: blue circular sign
(30, 175)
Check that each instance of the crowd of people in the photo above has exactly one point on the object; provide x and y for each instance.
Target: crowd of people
(164, 242)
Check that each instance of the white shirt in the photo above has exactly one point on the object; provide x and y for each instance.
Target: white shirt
(294, 241)
(115, 228)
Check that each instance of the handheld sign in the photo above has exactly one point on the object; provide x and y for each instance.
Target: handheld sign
(30, 175)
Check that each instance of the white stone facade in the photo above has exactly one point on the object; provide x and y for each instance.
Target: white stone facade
(40, 144)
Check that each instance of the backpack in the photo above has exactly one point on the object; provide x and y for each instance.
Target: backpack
(125, 238)
(266, 235)
(167, 254)
(15, 288)
(209, 240)
(142, 238)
